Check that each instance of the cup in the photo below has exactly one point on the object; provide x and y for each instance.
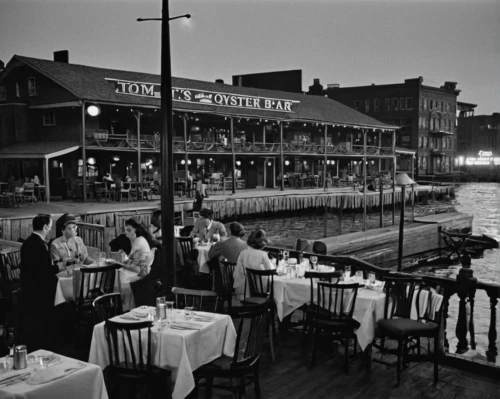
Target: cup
(170, 310)
(161, 308)
(347, 272)
(188, 312)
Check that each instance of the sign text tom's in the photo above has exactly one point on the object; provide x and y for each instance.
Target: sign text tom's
(213, 98)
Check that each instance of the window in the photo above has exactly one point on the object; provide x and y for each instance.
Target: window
(401, 103)
(356, 105)
(409, 103)
(387, 104)
(49, 118)
(394, 104)
(424, 145)
(431, 103)
(425, 104)
(375, 105)
(3, 93)
(19, 90)
(31, 87)
(424, 162)
(442, 106)
(367, 105)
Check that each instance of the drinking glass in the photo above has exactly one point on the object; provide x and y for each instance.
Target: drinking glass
(347, 272)
(161, 308)
(359, 276)
(314, 261)
(102, 259)
(188, 312)
(371, 277)
(170, 311)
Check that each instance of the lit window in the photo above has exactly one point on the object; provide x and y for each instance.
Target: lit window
(19, 90)
(425, 104)
(31, 87)
(49, 118)
(3, 93)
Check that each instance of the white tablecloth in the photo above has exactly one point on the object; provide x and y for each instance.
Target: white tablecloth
(181, 351)
(203, 257)
(290, 294)
(87, 383)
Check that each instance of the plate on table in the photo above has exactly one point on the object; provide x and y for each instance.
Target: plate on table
(141, 312)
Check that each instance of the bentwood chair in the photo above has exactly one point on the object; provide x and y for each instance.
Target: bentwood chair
(107, 306)
(202, 300)
(190, 259)
(412, 311)
(335, 307)
(129, 350)
(251, 327)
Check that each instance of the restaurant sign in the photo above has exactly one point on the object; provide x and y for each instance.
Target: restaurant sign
(483, 158)
(194, 96)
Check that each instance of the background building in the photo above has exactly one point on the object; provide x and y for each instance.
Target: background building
(426, 115)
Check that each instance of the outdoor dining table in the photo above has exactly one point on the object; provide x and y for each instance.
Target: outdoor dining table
(180, 350)
(203, 258)
(63, 378)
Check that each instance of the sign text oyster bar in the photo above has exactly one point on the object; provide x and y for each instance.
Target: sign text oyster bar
(205, 97)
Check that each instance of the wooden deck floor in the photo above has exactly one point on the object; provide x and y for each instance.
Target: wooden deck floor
(291, 378)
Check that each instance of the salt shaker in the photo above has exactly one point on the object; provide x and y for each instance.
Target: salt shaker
(20, 357)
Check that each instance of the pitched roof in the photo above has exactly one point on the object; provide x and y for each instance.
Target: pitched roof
(38, 149)
(88, 83)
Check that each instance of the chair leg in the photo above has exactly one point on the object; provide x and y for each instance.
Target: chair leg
(256, 380)
(315, 337)
(271, 342)
(208, 387)
(400, 355)
(346, 353)
(436, 360)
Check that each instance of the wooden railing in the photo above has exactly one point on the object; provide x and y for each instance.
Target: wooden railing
(465, 287)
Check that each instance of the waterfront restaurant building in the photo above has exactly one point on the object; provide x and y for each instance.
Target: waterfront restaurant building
(60, 120)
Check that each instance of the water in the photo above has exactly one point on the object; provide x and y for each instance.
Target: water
(482, 200)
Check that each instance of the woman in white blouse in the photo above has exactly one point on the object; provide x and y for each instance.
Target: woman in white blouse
(251, 258)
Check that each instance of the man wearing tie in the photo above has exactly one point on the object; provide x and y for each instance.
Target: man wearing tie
(38, 281)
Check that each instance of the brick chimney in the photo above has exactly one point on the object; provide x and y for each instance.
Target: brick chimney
(316, 89)
(61, 56)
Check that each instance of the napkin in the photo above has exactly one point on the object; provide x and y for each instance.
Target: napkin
(187, 325)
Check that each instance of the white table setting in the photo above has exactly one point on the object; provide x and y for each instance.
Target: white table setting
(180, 343)
(51, 376)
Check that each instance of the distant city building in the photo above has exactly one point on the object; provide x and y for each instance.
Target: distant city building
(478, 149)
(426, 115)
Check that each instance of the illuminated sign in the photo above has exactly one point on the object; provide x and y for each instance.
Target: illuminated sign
(484, 158)
(153, 90)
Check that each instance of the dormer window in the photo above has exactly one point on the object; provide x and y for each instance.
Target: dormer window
(19, 90)
(31, 87)
(3, 93)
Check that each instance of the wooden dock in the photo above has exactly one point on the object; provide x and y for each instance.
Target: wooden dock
(380, 246)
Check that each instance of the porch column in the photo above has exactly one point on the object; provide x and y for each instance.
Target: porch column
(324, 160)
(46, 179)
(393, 177)
(282, 171)
(233, 158)
(412, 188)
(84, 157)
(364, 178)
(137, 115)
(186, 166)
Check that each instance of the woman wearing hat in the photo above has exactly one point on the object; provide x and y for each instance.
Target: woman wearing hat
(68, 248)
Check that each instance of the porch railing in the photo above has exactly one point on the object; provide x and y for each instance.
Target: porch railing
(465, 287)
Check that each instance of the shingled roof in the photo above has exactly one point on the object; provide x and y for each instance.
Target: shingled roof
(88, 83)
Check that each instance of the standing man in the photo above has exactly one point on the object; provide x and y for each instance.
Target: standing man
(38, 282)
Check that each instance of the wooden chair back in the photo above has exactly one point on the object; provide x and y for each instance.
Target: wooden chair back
(9, 267)
(107, 306)
(400, 297)
(227, 275)
(328, 277)
(187, 247)
(260, 282)
(129, 345)
(336, 301)
(199, 299)
(96, 281)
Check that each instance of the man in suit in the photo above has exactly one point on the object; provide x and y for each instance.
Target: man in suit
(205, 227)
(230, 248)
(38, 282)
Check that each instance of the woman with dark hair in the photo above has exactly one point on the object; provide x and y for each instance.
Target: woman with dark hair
(139, 261)
(251, 258)
(155, 228)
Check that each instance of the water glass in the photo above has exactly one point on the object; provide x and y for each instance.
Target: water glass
(347, 272)
(101, 261)
(359, 277)
(161, 308)
(170, 311)
(371, 278)
(314, 261)
(188, 312)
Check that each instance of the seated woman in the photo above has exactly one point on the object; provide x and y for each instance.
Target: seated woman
(68, 248)
(251, 258)
(139, 261)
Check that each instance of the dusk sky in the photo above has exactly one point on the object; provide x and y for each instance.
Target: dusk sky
(353, 43)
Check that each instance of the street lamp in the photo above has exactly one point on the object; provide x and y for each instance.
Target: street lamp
(166, 150)
(402, 180)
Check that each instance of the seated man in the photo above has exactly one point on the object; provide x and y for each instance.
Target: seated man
(230, 248)
(69, 248)
(205, 227)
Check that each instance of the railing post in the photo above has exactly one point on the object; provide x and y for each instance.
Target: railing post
(492, 351)
(466, 287)
(448, 292)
